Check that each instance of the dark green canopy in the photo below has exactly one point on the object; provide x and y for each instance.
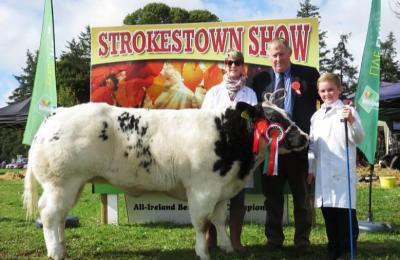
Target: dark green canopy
(389, 104)
(15, 113)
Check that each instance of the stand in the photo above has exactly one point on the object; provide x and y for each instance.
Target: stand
(369, 225)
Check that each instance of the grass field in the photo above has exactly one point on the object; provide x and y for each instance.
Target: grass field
(22, 240)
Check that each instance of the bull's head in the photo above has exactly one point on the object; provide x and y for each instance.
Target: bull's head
(295, 139)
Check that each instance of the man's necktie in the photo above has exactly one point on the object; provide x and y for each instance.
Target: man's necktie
(280, 91)
(327, 109)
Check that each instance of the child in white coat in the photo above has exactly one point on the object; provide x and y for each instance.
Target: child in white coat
(328, 164)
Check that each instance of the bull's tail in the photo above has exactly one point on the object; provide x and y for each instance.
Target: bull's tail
(30, 196)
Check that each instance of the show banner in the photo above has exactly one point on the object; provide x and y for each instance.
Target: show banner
(173, 65)
(157, 207)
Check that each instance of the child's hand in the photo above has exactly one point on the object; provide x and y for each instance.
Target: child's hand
(310, 178)
(347, 114)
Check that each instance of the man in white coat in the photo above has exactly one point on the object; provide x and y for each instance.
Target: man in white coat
(327, 162)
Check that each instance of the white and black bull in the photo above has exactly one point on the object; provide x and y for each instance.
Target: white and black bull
(204, 157)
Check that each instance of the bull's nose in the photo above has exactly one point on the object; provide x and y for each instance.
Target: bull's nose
(296, 140)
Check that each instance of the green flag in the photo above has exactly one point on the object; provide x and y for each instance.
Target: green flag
(44, 93)
(367, 96)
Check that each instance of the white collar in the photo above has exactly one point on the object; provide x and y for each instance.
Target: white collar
(337, 103)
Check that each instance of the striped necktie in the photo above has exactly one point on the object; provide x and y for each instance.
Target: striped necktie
(280, 94)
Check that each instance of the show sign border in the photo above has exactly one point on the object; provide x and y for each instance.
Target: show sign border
(205, 41)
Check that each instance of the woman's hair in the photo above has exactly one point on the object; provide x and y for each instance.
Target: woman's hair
(234, 55)
(331, 78)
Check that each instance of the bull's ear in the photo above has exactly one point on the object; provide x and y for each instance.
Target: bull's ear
(248, 111)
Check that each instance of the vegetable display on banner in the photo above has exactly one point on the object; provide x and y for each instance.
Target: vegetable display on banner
(174, 65)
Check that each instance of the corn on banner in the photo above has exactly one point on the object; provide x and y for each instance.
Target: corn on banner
(173, 65)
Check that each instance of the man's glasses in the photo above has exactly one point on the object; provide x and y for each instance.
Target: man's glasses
(236, 62)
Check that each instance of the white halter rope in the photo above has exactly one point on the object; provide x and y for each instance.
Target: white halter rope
(271, 97)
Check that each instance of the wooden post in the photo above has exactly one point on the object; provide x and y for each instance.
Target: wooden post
(109, 208)
(103, 208)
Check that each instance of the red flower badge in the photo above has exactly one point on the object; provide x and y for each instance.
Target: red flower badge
(296, 87)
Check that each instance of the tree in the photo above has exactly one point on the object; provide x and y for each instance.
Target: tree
(341, 64)
(323, 53)
(309, 10)
(26, 79)
(11, 144)
(73, 66)
(159, 13)
(395, 6)
(390, 69)
(153, 13)
(179, 15)
(198, 16)
(73, 71)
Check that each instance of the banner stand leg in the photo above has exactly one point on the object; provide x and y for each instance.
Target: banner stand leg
(369, 225)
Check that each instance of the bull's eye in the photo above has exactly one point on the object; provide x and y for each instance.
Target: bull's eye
(275, 119)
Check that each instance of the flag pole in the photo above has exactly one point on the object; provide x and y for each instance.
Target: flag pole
(367, 102)
(346, 130)
(369, 225)
(371, 172)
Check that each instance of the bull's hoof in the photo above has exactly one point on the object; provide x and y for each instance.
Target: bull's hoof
(57, 253)
(55, 257)
(204, 257)
(227, 248)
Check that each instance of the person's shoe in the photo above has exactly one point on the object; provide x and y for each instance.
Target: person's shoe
(303, 250)
(344, 256)
(332, 256)
(239, 249)
(273, 247)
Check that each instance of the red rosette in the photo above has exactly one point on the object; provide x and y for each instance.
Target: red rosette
(275, 130)
(296, 87)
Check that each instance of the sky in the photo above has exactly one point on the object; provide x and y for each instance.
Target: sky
(21, 23)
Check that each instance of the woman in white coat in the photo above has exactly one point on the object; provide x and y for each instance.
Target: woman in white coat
(328, 163)
(232, 89)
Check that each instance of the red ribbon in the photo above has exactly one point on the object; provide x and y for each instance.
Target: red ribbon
(260, 128)
(273, 152)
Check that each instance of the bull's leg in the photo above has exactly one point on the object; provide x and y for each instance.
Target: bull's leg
(201, 208)
(52, 222)
(54, 204)
(219, 220)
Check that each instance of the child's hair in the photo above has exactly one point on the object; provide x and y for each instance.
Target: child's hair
(329, 77)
